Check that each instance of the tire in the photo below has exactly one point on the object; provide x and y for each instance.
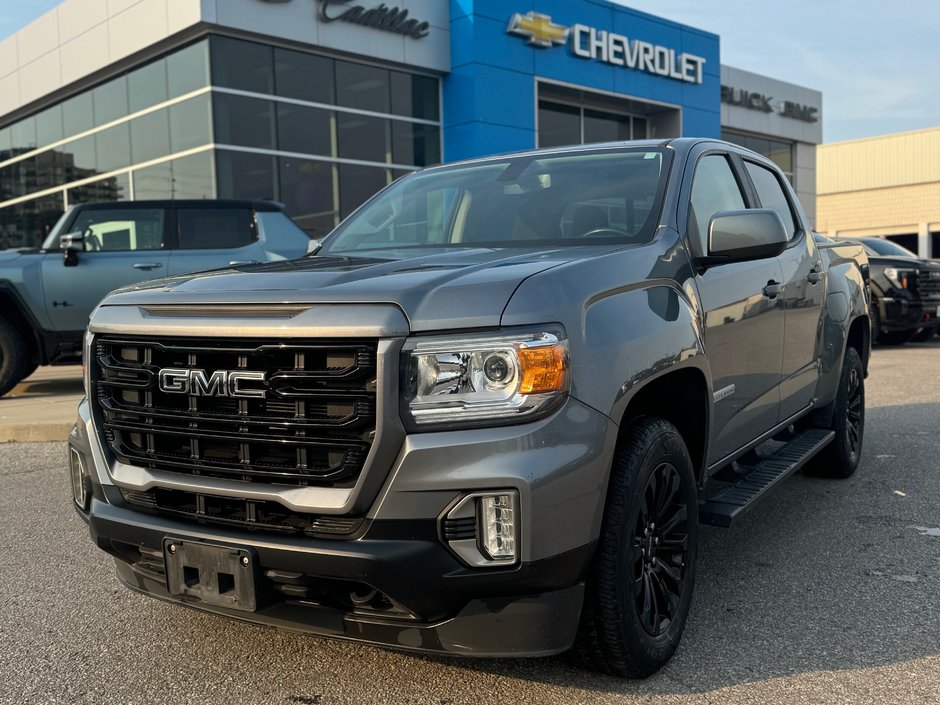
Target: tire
(898, 337)
(840, 458)
(15, 356)
(627, 628)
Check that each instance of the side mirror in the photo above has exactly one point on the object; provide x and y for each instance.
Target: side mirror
(741, 236)
(313, 247)
(71, 244)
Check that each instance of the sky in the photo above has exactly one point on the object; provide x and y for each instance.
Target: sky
(877, 62)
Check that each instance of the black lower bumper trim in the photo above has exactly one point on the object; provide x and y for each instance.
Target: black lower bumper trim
(527, 626)
(432, 602)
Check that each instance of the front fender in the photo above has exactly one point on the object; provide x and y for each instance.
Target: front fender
(632, 337)
(21, 278)
(846, 301)
(631, 315)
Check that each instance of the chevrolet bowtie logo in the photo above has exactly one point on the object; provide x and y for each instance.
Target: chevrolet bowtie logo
(540, 29)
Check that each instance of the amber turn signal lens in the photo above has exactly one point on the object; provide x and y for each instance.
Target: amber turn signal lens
(544, 369)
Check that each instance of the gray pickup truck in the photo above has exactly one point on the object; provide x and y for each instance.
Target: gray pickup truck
(489, 415)
(47, 293)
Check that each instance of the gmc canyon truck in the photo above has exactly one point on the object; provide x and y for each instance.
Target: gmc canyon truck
(47, 293)
(489, 415)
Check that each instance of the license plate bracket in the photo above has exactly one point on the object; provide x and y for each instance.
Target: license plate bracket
(222, 576)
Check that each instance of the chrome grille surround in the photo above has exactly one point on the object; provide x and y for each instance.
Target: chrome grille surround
(313, 425)
(336, 487)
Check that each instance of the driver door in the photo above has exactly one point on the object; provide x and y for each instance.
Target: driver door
(744, 324)
(121, 246)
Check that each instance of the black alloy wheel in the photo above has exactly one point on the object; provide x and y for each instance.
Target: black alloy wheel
(660, 544)
(846, 417)
(855, 409)
(638, 593)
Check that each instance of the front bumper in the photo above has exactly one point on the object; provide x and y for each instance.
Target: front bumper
(523, 611)
(903, 314)
(430, 601)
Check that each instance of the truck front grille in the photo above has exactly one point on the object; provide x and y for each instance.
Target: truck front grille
(253, 515)
(312, 424)
(927, 286)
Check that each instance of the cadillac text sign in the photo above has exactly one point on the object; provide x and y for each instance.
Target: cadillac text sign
(396, 20)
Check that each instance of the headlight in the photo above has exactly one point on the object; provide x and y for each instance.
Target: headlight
(477, 379)
(898, 277)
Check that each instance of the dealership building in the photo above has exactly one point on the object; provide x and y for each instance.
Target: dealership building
(320, 103)
(885, 186)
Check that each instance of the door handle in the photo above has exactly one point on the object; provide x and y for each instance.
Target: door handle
(815, 276)
(773, 289)
(147, 265)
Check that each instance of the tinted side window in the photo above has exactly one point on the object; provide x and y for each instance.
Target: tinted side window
(215, 228)
(714, 189)
(115, 230)
(771, 194)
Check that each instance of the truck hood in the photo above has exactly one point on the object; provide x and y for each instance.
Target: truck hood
(904, 262)
(465, 288)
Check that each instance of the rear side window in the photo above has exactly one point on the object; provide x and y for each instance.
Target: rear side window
(714, 189)
(116, 230)
(771, 194)
(215, 228)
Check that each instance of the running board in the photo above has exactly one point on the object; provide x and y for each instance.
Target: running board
(732, 503)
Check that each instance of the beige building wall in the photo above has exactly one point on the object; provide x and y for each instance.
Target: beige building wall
(886, 185)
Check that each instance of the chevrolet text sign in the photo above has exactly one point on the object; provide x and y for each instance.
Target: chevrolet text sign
(608, 47)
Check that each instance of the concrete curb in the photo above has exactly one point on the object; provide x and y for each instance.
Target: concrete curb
(34, 433)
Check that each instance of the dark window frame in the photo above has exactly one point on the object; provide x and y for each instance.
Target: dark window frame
(743, 183)
(79, 211)
(798, 231)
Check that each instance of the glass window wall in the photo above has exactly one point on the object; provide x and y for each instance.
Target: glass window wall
(308, 193)
(67, 173)
(162, 151)
(562, 124)
(303, 76)
(246, 175)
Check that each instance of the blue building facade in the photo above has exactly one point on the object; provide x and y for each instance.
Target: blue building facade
(512, 60)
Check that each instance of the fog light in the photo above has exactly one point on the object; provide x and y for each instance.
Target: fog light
(483, 529)
(79, 478)
(498, 523)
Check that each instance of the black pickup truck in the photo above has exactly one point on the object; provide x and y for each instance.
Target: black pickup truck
(905, 293)
(489, 415)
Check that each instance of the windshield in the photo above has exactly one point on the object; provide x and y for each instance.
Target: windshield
(888, 248)
(569, 198)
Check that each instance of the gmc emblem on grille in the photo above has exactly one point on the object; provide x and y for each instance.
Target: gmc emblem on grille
(221, 383)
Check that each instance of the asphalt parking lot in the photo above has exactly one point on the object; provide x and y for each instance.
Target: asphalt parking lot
(827, 593)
